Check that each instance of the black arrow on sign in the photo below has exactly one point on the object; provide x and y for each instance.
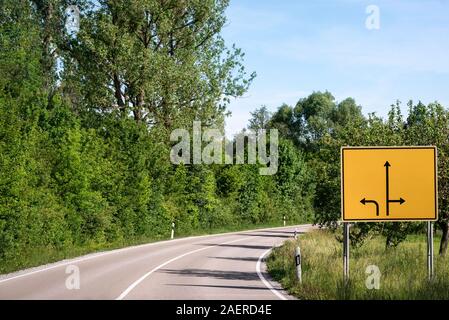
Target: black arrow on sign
(364, 202)
(400, 201)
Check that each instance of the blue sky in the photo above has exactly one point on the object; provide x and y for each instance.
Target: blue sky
(298, 46)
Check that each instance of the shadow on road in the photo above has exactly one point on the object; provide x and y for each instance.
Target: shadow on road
(251, 259)
(242, 246)
(266, 235)
(279, 232)
(218, 286)
(217, 274)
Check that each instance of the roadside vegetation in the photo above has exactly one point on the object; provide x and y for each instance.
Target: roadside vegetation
(403, 269)
(85, 124)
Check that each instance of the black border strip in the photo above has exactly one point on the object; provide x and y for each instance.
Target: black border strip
(342, 172)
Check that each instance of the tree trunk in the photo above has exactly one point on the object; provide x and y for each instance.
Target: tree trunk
(137, 114)
(444, 238)
(118, 92)
(138, 107)
(388, 243)
(48, 59)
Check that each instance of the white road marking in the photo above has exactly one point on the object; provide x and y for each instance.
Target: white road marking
(93, 256)
(265, 282)
(97, 255)
(60, 264)
(138, 281)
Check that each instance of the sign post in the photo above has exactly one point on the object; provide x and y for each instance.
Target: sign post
(346, 252)
(388, 184)
(430, 269)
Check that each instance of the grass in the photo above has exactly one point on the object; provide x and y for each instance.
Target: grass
(32, 257)
(403, 269)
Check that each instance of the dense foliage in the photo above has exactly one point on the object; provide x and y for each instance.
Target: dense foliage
(85, 124)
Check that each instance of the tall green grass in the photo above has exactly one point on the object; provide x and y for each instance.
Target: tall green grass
(403, 269)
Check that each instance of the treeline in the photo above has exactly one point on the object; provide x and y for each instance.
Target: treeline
(85, 122)
(319, 127)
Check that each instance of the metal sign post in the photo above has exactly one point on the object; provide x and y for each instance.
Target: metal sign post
(430, 269)
(346, 252)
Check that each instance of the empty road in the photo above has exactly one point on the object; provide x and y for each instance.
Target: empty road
(217, 267)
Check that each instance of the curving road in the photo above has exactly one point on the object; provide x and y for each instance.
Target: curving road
(225, 267)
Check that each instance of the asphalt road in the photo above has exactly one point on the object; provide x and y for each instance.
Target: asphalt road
(217, 267)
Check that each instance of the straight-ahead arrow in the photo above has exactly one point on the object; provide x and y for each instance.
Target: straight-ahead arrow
(387, 166)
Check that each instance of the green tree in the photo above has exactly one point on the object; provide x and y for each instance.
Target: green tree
(259, 119)
(163, 61)
(429, 125)
(314, 117)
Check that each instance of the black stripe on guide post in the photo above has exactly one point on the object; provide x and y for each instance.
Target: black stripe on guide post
(298, 259)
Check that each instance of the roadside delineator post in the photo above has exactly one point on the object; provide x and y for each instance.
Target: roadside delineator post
(284, 221)
(298, 264)
(296, 234)
(172, 231)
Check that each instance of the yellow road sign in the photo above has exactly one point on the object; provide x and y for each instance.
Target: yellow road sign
(389, 184)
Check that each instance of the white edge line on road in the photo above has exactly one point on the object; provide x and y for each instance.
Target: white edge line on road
(101, 254)
(265, 282)
(138, 281)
